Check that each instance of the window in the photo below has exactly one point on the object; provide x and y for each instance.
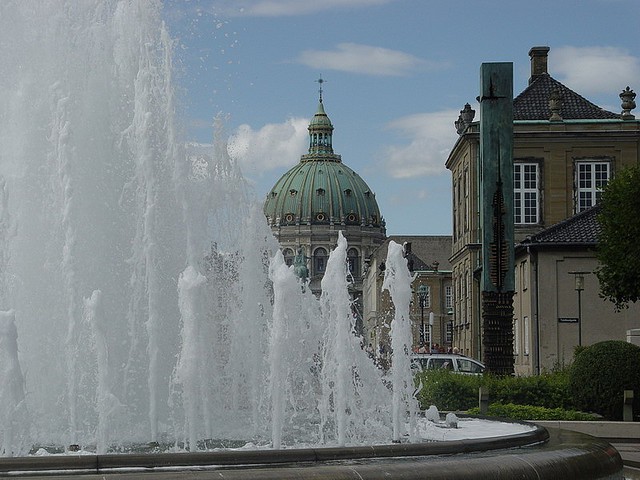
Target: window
(516, 337)
(319, 261)
(449, 333)
(436, 363)
(448, 296)
(352, 262)
(591, 177)
(424, 296)
(467, 298)
(467, 204)
(288, 256)
(525, 328)
(525, 193)
(466, 365)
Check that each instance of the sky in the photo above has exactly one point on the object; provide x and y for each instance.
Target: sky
(396, 74)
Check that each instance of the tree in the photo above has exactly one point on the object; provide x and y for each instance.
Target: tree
(619, 218)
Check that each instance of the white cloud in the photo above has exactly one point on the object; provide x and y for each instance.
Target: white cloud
(594, 70)
(275, 8)
(274, 146)
(431, 136)
(366, 59)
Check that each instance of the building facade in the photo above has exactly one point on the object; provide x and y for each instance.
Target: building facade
(552, 317)
(431, 308)
(565, 149)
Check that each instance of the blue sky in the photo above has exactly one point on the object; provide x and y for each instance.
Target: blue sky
(397, 73)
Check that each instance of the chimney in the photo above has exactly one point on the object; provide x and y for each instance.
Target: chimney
(538, 62)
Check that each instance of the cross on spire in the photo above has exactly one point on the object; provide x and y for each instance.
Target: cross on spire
(320, 81)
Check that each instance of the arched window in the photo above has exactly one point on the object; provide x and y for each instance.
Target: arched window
(353, 262)
(288, 256)
(319, 261)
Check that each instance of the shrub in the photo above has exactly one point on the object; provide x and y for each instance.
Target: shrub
(450, 391)
(549, 390)
(530, 412)
(600, 374)
(446, 390)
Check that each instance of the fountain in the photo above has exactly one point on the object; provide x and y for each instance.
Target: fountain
(135, 269)
(143, 299)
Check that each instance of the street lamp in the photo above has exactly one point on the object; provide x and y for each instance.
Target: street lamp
(422, 295)
(431, 315)
(579, 287)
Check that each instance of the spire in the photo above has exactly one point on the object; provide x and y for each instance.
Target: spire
(320, 129)
(320, 81)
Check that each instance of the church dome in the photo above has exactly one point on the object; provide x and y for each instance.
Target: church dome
(320, 189)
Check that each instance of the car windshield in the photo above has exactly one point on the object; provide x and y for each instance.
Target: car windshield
(469, 366)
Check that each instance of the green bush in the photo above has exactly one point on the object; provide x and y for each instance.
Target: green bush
(449, 391)
(600, 374)
(550, 390)
(530, 412)
(446, 390)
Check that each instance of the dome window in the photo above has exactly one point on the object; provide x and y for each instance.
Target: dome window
(289, 217)
(321, 217)
(273, 194)
(347, 192)
(352, 217)
(320, 192)
(293, 192)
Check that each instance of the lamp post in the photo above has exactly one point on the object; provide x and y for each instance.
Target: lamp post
(431, 315)
(579, 287)
(449, 337)
(422, 295)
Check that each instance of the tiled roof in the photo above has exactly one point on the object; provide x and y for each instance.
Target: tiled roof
(533, 102)
(580, 230)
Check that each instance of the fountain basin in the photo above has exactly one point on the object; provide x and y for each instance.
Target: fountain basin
(536, 454)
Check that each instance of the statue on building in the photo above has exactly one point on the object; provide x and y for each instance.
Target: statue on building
(300, 265)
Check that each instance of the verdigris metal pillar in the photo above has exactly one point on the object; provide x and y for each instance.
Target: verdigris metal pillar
(496, 215)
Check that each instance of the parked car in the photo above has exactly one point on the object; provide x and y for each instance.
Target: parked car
(455, 363)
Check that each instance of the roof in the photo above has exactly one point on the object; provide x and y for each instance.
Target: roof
(425, 250)
(320, 189)
(580, 230)
(533, 102)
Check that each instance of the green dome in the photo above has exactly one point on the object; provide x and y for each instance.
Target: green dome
(321, 189)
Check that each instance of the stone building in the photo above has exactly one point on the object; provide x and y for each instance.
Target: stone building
(557, 304)
(565, 149)
(316, 199)
(432, 293)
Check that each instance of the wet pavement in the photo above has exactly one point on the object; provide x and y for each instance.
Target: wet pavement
(630, 453)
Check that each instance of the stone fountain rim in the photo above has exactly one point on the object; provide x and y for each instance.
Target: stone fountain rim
(265, 457)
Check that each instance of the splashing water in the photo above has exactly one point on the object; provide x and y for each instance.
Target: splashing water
(135, 271)
(397, 281)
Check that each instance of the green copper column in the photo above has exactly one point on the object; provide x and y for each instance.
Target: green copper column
(496, 215)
